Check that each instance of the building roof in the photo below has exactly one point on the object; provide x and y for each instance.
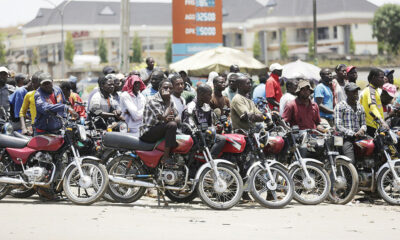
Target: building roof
(159, 14)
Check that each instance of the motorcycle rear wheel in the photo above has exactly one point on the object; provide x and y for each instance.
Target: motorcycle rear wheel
(22, 192)
(4, 187)
(319, 192)
(72, 184)
(226, 197)
(345, 194)
(260, 187)
(181, 197)
(387, 187)
(123, 193)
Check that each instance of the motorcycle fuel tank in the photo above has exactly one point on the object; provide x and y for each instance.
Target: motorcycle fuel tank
(48, 142)
(185, 143)
(275, 145)
(364, 147)
(235, 143)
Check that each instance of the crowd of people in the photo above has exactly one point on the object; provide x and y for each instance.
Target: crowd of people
(155, 103)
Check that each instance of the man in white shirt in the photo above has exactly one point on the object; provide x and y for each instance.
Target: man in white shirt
(177, 88)
(291, 86)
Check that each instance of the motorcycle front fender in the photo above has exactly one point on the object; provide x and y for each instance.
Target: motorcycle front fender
(386, 165)
(270, 163)
(342, 157)
(208, 165)
(306, 160)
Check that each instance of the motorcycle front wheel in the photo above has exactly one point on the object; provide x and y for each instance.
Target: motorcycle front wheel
(268, 194)
(388, 188)
(86, 189)
(345, 187)
(220, 195)
(310, 191)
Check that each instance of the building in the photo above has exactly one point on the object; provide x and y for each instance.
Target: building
(243, 21)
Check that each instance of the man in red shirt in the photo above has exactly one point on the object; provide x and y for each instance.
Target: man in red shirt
(302, 111)
(273, 89)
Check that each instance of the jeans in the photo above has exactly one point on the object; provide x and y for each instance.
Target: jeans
(218, 146)
(348, 148)
(163, 130)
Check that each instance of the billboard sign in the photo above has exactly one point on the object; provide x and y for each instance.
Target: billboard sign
(197, 26)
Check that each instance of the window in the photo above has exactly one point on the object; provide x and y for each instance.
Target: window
(302, 34)
(323, 33)
(238, 39)
(273, 35)
(335, 32)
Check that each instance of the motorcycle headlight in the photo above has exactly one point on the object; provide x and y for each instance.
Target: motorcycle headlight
(8, 129)
(123, 127)
(82, 132)
(393, 136)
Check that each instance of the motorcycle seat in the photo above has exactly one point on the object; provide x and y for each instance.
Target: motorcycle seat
(126, 141)
(12, 142)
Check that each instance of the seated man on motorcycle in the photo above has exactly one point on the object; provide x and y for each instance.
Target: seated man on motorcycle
(350, 119)
(50, 101)
(201, 111)
(160, 120)
(243, 110)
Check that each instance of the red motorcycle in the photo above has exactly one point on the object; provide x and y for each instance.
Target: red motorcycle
(218, 183)
(52, 162)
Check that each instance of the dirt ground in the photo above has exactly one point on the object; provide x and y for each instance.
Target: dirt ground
(33, 219)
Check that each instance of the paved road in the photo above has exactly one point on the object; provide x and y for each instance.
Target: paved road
(32, 219)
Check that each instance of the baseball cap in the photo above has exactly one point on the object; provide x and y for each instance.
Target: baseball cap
(349, 68)
(45, 77)
(275, 66)
(4, 69)
(351, 87)
(304, 83)
(390, 89)
(388, 72)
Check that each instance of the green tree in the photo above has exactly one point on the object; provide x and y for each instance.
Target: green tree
(2, 50)
(256, 46)
(69, 48)
(102, 50)
(386, 27)
(35, 56)
(137, 49)
(284, 49)
(311, 46)
(168, 51)
(352, 46)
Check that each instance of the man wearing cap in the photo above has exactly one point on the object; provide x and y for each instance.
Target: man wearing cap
(371, 101)
(4, 93)
(323, 96)
(273, 90)
(49, 98)
(302, 111)
(389, 76)
(350, 119)
(351, 74)
(338, 84)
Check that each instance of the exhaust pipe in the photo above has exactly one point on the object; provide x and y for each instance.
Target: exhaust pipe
(11, 180)
(135, 183)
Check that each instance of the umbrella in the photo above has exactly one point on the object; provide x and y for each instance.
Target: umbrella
(218, 59)
(300, 69)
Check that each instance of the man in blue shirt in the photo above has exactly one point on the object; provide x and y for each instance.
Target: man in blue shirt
(323, 96)
(259, 91)
(156, 77)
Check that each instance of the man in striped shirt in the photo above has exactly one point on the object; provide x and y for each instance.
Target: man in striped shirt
(350, 119)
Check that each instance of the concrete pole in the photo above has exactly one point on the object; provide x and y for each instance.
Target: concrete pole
(124, 36)
(62, 45)
(315, 30)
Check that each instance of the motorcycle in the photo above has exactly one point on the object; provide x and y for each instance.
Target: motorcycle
(52, 162)
(216, 181)
(378, 164)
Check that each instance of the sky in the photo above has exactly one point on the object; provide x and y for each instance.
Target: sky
(14, 15)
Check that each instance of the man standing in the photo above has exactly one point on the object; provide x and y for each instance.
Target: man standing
(231, 90)
(350, 119)
(291, 86)
(152, 89)
(338, 84)
(217, 99)
(145, 73)
(49, 98)
(302, 111)
(177, 89)
(73, 98)
(234, 68)
(323, 95)
(371, 101)
(29, 104)
(259, 91)
(273, 89)
(351, 72)
(102, 102)
(243, 110)
(4, 93)
(389, 76)
(20, 80)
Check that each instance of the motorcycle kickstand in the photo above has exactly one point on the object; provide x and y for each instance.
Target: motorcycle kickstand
(159, 192)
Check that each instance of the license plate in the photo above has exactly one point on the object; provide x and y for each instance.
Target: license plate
(333, 153)
(338, 141)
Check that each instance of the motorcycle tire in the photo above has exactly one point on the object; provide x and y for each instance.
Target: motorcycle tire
(260, 188)
(222, 199)
(96, 182)
(22, 192)
(298, 176)
(123, 193)
(387, 188)
(343, 195)
(181, 197)
(4, 190)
